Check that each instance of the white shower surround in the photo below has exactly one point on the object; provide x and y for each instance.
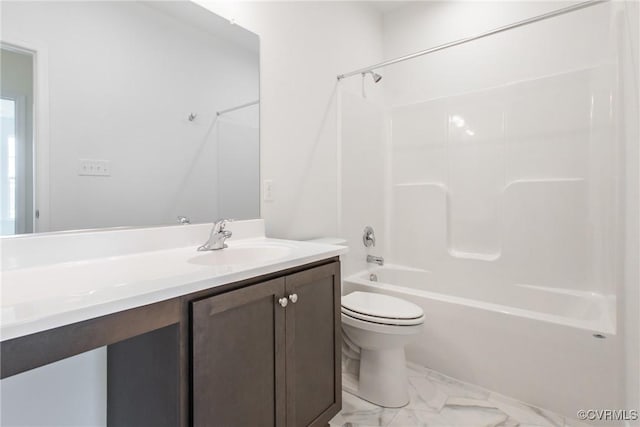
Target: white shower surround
(500, 164)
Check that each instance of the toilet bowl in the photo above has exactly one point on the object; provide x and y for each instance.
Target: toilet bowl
(380, 326)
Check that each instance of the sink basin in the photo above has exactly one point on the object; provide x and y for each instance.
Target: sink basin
(238, 255)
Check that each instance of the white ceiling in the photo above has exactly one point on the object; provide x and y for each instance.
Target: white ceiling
(199, 17)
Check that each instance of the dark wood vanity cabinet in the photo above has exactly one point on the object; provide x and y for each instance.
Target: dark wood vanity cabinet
(261, 352)
(313, 341)
(269, 354)
(238, 367)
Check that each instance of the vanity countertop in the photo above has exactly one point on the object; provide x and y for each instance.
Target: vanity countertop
(41, 297)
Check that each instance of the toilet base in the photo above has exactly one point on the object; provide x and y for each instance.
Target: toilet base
(383, 378)
(350, 383)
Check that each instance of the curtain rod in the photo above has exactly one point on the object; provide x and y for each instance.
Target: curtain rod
(476, 37)
(228, 110)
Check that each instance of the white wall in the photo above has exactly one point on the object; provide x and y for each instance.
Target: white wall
(630, 88)
(304, 45)
(123, 77)
(72, 392)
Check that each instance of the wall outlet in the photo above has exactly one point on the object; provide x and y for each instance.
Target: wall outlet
(267, 190)
(88, 167)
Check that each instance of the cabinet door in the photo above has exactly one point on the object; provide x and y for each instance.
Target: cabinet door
(313, 346)
(238, 358)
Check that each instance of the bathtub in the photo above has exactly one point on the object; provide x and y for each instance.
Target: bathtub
(554, 348)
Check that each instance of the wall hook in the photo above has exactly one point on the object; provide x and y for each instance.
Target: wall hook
(192, 117)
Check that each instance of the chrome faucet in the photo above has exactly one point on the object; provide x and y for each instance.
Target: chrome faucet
(217, 236)
(375, 259)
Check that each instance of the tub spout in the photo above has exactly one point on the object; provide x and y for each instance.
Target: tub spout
(375, 259)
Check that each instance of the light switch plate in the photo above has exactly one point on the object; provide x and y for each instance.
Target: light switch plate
(267, 190)
(89, 167)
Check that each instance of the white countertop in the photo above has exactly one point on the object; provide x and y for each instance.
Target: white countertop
(35, 298)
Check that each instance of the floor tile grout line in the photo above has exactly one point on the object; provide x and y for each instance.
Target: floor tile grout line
(395, 416)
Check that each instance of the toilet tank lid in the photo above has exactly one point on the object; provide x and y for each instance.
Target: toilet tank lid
(379, 305)
(330, 241)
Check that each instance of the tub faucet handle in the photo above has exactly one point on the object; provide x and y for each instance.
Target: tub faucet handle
(369, 237)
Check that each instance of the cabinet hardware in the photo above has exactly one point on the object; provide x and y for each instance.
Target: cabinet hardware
(293, 298)
(283, 302)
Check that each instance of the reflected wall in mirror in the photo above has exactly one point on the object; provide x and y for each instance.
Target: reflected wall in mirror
(125, 114)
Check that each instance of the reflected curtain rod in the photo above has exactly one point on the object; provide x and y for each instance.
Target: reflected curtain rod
(476, 37)
(228, 110)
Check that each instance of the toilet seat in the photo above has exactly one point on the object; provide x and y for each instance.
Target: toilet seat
(381, 328)
(383, 320)
(381, 309)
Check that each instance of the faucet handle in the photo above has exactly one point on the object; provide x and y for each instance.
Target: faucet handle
(369, 237)
(220, 224)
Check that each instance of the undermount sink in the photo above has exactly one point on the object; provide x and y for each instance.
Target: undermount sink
(235, 255)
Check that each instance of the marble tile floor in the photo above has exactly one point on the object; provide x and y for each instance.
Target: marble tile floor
(441, 401)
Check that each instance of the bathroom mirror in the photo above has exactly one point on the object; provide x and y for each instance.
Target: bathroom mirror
(125, 114)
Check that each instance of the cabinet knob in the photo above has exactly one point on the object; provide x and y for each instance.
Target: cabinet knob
(283, 302)
(293, 298)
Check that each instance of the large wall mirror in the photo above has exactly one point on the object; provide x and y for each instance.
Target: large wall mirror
(125, 114)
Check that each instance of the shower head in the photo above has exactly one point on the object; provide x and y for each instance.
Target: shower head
(376, 77)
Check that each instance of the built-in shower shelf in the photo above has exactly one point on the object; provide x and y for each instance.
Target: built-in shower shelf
(541, 181)
(515, 182)
(474, 255)
(423, 184)
(534, 193)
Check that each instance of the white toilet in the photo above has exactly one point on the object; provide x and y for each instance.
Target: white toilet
(380, 326)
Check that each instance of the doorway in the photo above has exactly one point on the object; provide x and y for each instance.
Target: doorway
(16, 143)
